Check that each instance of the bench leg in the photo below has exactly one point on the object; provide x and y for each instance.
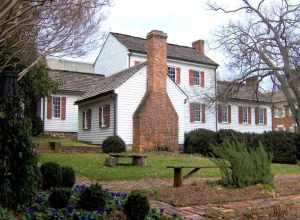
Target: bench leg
(111, 161)
(138, 161)
(177, 177)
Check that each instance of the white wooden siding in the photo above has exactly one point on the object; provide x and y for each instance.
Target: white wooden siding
(178, 98)
(96, 135)
(235, 125)
(70, 124)
(112, 58)
(129, 96)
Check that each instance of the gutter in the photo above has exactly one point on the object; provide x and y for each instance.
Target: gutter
(115, 103)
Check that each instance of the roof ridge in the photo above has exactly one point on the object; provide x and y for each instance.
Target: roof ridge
(142, 38)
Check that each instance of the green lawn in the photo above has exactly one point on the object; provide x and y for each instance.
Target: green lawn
(91, 166)
(44, 140)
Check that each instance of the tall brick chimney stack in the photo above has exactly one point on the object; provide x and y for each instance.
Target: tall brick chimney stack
(157, 61)
(155, 122)
(199, 46)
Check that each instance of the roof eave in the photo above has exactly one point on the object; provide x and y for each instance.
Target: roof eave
(95, 96)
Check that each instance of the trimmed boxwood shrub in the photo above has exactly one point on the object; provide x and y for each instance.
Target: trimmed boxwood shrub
(59, 198)
(94, 198)
(284, 146)
(113, 144)
(137, 206)
(200, 141)
(51, 175)
(68, 177)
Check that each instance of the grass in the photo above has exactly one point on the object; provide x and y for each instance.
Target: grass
(91, 166)
(44, 140)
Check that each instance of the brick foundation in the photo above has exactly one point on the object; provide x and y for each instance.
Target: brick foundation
(155, 122)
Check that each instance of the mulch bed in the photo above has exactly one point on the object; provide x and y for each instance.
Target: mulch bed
(199, 191)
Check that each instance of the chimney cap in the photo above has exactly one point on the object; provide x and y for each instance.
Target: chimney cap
(156, 33)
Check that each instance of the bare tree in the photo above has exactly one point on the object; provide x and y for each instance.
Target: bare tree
(265, 43)
(31, 29)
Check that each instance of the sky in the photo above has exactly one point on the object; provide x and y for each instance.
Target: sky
(183, 21)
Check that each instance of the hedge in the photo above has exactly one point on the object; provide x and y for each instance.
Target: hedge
(284, 146)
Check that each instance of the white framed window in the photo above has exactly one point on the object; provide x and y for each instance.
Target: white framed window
(197, 112)
(245, 115)
(172, 73)
(196, 78)
(104, 116)
(279, 112)
(85, 120)
(261, 116)
(225, 112)
(56, 109)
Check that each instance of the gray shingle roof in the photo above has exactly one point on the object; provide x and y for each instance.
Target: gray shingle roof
(137, 44)
(74, 81)
(230, 90)
(112, 82)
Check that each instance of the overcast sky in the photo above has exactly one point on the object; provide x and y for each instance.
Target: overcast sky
(183, 21)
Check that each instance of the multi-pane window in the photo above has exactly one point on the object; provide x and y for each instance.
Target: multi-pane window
(104, 116)
(197, 112)
(196, 78)
(278, 112)
(56, 107)
(172, 73)
(245, 115)
(261, 116)
(84, 120)
(224, 113)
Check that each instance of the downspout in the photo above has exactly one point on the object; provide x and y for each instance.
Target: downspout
(216, 102)
(115, 103)
(43, 114)
(129, 55)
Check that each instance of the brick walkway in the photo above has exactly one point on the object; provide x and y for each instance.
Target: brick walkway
(282, 208)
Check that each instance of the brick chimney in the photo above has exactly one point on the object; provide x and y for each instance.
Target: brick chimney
(199, 46)
(155, 122)
(252, 82)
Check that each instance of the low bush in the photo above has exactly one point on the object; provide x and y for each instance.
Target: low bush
(243, 166)
(59, 198)
(6, 215)
(137, 206)
(199, 141)
(51, 175)
(94, 198)
(284, 146)
(68, 177)
(113, 144)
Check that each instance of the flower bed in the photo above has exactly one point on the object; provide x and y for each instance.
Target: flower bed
(114, 208)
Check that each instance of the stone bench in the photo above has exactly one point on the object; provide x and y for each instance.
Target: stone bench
(137, 159)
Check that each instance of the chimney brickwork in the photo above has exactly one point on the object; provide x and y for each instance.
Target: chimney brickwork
(199, 46)
(155, 122)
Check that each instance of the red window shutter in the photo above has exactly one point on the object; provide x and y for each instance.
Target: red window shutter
(249, 115)
(63, 108)
(107, 115)
(192, 116)
(191, 77)
(49, 107)
(256, 115)
(136, 62)
(220, 114)
(229, 113)
(100, 116)
(89, 119)
(240, 114)
(83, 120)
(265, 116)
(203, 113)
(177, 75)
(202, 79)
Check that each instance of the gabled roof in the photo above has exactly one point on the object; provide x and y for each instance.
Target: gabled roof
(111, 83)
(70, 81)
(234, 91)
(177, 52)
